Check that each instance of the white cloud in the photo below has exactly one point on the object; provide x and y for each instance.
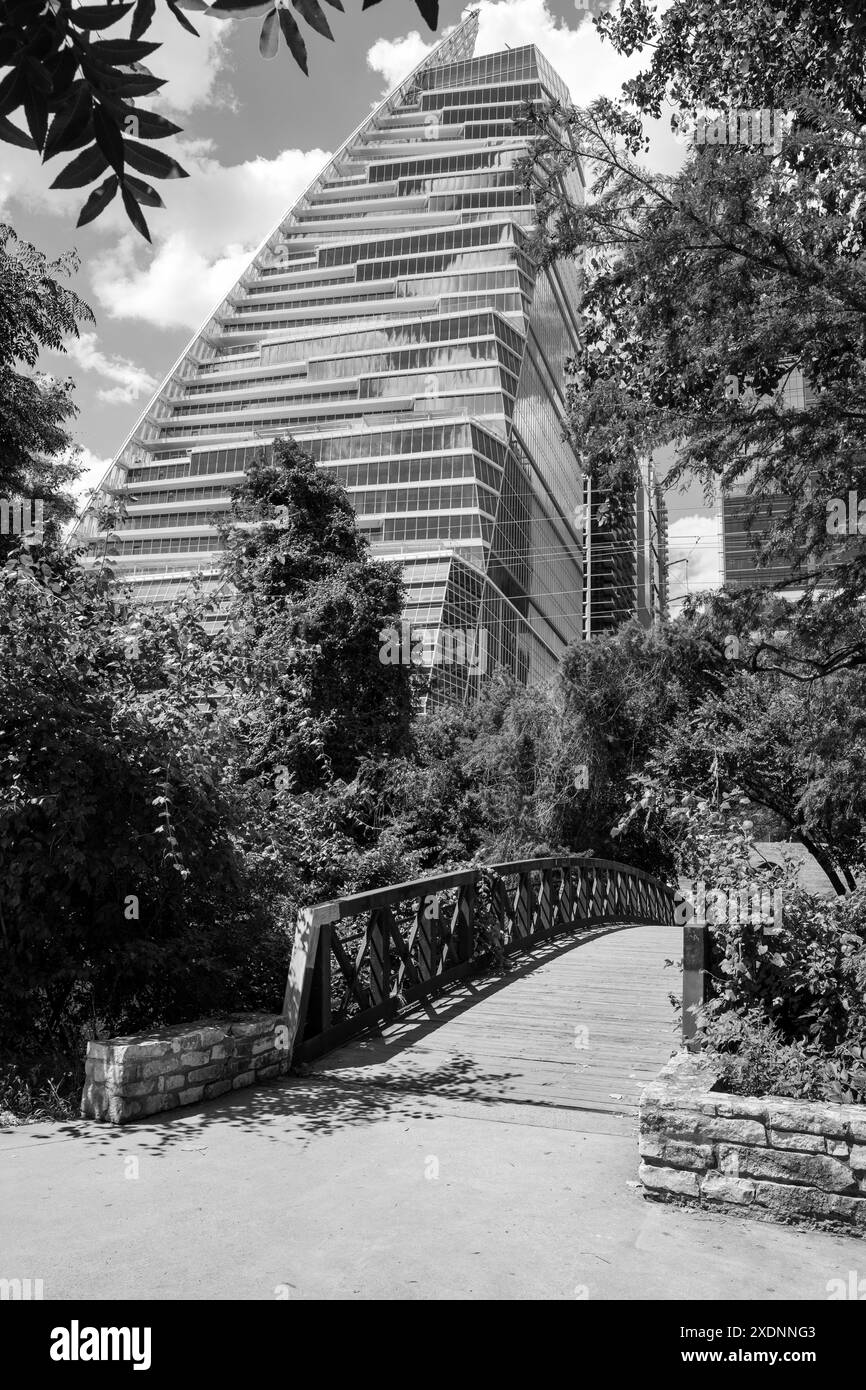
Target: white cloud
(191, 66)
(131, 381)
(24, 181)
(395, 58)
(94, 469)
(203, 240)
(695, 539)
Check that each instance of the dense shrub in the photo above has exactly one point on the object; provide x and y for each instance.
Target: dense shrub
(40, 1088)
(124, 900)
(789, 1008)
(755, 1060)
(807, 973)
(498, 780)
(787, 1012)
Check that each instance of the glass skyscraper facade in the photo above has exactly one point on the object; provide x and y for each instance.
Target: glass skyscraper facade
(626, 562)
(396, 324)
(746, 525)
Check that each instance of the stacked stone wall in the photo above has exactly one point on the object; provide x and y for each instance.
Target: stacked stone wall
(128, 1078)
(768, 1157)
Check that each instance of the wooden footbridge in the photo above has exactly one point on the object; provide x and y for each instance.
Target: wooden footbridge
(539, 983)
(475, 1046)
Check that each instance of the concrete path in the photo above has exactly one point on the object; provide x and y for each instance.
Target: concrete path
(472, 1152)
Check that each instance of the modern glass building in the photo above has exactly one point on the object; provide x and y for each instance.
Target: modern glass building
(396, 325)
(626, 558)
(746, 525)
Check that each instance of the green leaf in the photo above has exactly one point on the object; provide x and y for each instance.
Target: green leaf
(144, 12)
(241, 6)
(83, 169)
(12, 135)
(98, 200)
(269, 38)
(123, 84)
(64, 68)
(152, 162)
(182, 19)
(10, 45)
(294, 39)
(38, 76)
(144, 192)
(108, 139)
(36, 111)
(96, 16)
(69, 124)
(120, 51)
(11, 91)
(150, 125)
(311, 11)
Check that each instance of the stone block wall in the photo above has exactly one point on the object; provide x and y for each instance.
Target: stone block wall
(127, 1078)
(767, 1157)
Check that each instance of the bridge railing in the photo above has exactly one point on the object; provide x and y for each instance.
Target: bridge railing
(358, 960)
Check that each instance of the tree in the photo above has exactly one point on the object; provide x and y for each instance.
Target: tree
(124, 896)
(168, 796)
(621, 693)
(77, 90)
(316, 715)
(37, 313)
(483, 782)
(309, 608)
(668, 714)
(707, 292)
(518, 774)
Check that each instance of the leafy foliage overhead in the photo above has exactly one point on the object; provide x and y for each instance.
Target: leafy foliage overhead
(75, 90)
(712, 295)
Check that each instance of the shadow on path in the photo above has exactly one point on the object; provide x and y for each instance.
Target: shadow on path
(424, 1017)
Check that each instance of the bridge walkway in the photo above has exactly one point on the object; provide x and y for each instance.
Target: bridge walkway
(573, 1031)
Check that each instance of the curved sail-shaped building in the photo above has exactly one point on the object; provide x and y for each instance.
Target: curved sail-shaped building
(395, 325)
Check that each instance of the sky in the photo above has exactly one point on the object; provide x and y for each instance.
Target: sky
(255, 132)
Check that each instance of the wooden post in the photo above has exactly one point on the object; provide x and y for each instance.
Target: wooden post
(566, 897)
(579, 894)
(299, 982)
(523, 907)
(318, 1018)
(695, 963)
(545, 903)
(466, 922)
(503, 910)
(592, 894)
(427, 936)
(639, 905)
(380, 954)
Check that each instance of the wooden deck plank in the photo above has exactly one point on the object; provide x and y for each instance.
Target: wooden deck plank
(510, 1040)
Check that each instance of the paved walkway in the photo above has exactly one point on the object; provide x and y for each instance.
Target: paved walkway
(472, 1152)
